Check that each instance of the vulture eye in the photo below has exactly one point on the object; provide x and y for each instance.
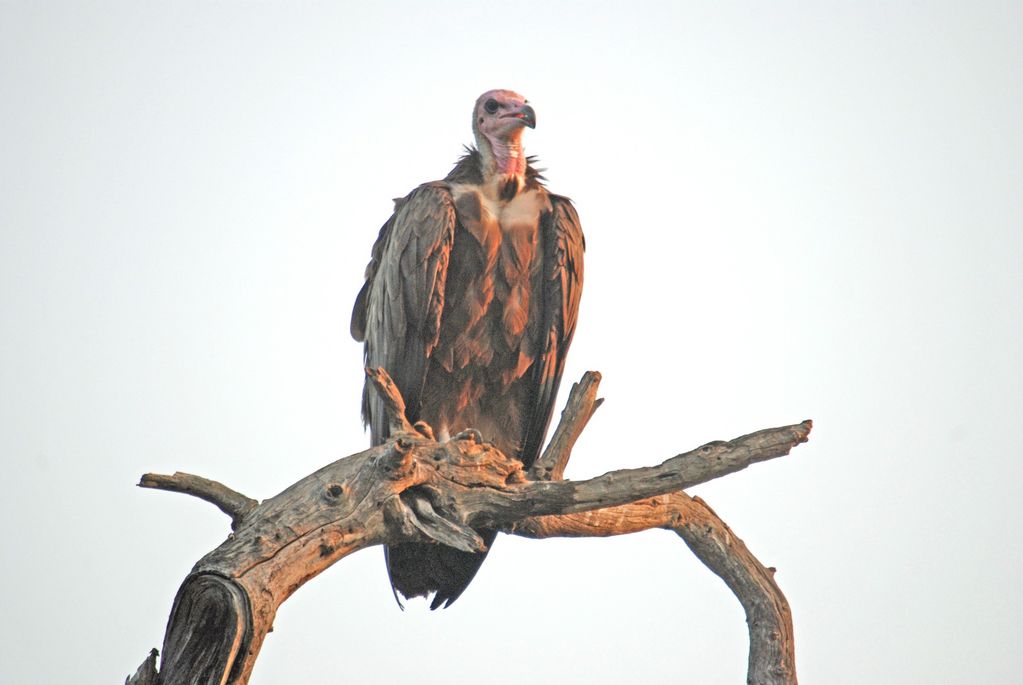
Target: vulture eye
(490, 105)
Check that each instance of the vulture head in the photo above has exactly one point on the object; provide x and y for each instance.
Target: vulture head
(498, 119)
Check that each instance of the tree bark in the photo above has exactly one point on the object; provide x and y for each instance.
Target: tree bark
(771, 644)
(414, 489)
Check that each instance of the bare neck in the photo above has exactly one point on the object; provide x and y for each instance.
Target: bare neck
(503, 157)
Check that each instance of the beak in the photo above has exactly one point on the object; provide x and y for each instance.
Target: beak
(526, 115)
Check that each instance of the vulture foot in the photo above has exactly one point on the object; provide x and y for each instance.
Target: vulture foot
(424, 429)
(470, 434)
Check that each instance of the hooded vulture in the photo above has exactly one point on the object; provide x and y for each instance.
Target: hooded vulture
(470, 303)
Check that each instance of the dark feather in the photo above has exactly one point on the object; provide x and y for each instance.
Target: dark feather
(436, 273)
(563, 281)
(397, 313)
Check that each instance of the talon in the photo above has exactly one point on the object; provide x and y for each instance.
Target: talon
(424, 429)
(470, 434)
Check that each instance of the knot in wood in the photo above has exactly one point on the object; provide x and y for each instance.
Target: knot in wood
(398, 459)
(334, 491)
(713, 448)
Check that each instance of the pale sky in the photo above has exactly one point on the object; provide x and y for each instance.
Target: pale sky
(792, 210)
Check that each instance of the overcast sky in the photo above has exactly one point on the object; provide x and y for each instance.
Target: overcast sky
(792, 210)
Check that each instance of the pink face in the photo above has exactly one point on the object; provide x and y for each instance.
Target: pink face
(500, 114)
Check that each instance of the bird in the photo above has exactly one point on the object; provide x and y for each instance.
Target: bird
(470, 304)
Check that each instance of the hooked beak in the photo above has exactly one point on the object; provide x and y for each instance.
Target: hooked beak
(525, 114)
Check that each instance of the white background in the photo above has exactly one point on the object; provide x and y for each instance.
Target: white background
(793, 210)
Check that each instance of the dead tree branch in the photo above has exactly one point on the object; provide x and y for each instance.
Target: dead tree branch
(233, 503)
(771, 644)
(582, 403)
(414, 489)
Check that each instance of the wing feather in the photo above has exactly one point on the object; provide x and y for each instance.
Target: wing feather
(562, 287)
(397, 312)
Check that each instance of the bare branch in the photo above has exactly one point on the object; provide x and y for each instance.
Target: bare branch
(233, 503)
(394, 403)
(772, 648)
(582, 403)
(500, 507)
(414, 489)
(772, 655)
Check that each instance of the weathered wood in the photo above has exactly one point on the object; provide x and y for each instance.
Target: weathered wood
(233, 503)
(772, 655)
(771, 644)
(394, 403)
(582, 402)
(209, 625)
(410, 489)
(501, 507)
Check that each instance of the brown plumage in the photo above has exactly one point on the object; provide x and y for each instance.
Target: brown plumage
(470, 304)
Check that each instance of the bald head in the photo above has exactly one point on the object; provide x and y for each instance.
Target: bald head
(498, 119)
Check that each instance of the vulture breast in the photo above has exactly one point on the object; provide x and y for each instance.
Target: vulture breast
(490, 325)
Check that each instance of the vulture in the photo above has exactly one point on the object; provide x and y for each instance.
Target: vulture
(470, 303)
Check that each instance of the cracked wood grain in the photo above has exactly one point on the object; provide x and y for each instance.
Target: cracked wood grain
(768, 617)
(414, 489)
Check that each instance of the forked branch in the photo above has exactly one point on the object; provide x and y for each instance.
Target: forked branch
(233, 503)
(414, 489)
(771, 644)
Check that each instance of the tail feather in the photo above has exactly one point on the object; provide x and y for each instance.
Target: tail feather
(419, 569)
